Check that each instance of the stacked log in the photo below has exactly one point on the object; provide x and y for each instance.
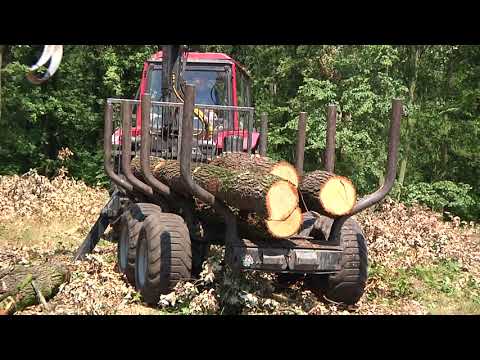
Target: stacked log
(262, 187)
(136, 166)
(251, 226)
(326, 193)
(259, 164)
(329, 194)
(270, 197)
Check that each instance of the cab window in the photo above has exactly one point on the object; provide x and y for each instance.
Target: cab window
(210, 84)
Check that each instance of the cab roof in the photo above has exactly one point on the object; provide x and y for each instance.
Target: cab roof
(197, 56)
(205, 57)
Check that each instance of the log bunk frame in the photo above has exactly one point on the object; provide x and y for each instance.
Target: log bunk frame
(298, 253)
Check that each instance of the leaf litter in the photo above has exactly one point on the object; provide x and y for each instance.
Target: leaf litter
(399, 237)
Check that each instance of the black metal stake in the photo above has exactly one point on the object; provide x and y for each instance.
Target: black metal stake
(107, 148)
(127, 151)
(331, 132)
(392, 156)
(145, 149)
(263, 135)
(301, 132)
(231, 233)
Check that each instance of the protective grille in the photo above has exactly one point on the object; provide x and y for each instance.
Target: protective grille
(216, 129)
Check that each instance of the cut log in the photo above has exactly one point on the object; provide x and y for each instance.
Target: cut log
(269, 196)
(329, 194)
(136, 167)
(251, 226)
(287, 227)
(19, 292)
(256, 229)
(257, 163)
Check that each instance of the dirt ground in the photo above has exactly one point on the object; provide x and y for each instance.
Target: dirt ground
(418, 263)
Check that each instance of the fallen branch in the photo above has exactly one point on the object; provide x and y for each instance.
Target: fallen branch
(40, 297)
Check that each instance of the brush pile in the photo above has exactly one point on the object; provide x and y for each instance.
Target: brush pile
(34, 196)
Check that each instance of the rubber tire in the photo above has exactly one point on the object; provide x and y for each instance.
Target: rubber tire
(131, 222)
(164, 243)
(348, 285)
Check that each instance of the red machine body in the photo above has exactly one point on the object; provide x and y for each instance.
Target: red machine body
(217, 67)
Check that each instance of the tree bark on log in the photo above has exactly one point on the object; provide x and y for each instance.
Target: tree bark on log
(328, 194)
(257, 163)
(269, 196)
(136, 167)
(17, 291)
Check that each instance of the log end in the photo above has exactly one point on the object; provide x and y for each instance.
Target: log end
(282, 199)
(287, 227)
(338, 196)
(286, 171)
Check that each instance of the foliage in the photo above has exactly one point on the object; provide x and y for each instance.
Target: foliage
(443, 196)
(437, 83)
(66, 111)
(441, 286)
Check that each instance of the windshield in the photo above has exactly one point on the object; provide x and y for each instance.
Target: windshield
(210, 85)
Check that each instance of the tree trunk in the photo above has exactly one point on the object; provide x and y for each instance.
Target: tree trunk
(269, 196)
(403, 170)
(329, 194)
(444, 160)
(17, 291)
(261, 164)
